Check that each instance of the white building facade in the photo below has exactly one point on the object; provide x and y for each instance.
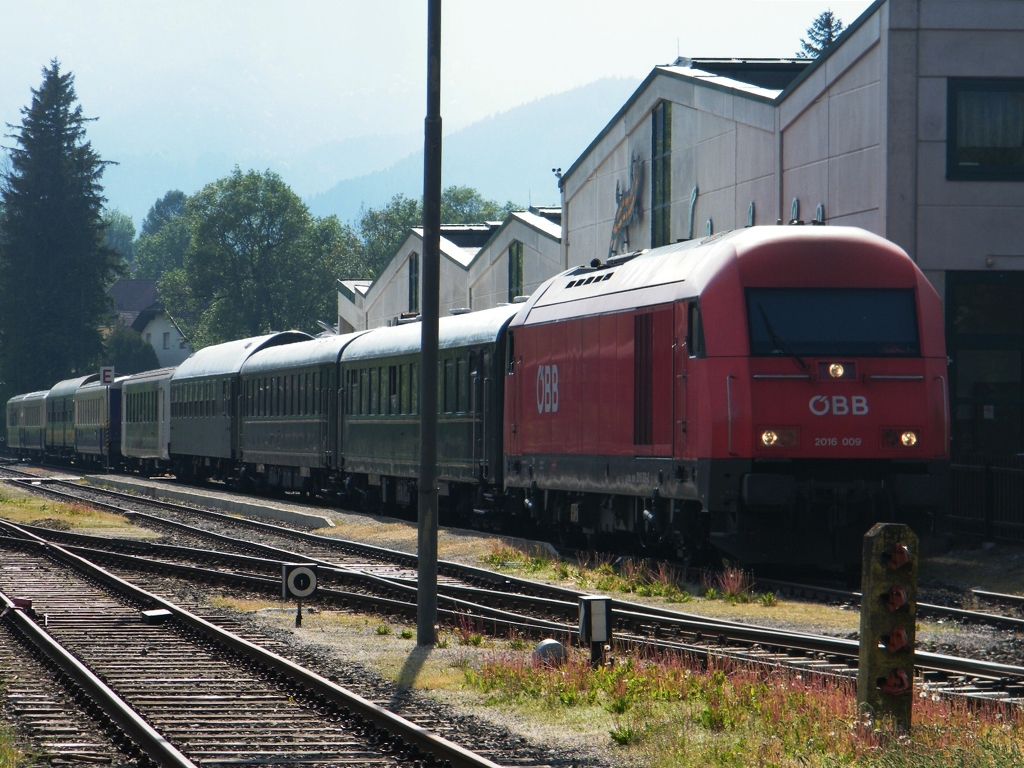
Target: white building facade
(482, 266)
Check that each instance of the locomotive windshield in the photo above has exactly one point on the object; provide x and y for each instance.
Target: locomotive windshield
(815, 322)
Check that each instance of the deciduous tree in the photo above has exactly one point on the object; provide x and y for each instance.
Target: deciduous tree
(256, 261)
(164, 238)
(54, 265)
(382, 230)
(119, 234)
(168, 207)
(128, 352)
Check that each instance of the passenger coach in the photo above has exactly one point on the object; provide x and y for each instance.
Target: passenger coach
(381, 435)
(204, 398)
(290, 416)
(773, 390)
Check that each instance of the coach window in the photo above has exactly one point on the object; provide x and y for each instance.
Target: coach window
(985, 129)
(461, 385)
(414, 389)
(374, 389)
(449, 386)
(393, 389)
(403, 389)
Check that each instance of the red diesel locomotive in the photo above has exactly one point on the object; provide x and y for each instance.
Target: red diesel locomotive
(772, 391)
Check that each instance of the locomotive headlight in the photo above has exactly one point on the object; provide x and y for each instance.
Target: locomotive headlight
(779, 437)
(836, 371)
(909, 438)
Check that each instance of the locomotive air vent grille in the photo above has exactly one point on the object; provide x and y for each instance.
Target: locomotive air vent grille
(589, 280)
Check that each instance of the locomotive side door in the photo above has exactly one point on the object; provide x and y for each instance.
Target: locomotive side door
(680, 356)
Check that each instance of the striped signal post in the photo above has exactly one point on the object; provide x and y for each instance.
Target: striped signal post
(888, 609)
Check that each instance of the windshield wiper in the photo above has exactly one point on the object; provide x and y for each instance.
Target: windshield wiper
(779, 343)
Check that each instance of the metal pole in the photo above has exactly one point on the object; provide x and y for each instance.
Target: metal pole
(426, 615)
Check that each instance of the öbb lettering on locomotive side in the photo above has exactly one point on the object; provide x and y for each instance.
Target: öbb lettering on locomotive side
(765, 394)
(839, 405)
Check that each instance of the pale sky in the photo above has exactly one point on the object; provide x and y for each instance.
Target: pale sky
(266, 79)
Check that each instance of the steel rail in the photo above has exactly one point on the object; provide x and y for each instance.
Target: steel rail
(405, 559)
(923, 609)
(145, 737)
(633, 614)
(409, 732)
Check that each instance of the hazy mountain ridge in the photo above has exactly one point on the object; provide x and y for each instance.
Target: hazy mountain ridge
(508, 156)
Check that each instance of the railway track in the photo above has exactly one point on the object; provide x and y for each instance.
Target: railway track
(636, 625)
(180, 691)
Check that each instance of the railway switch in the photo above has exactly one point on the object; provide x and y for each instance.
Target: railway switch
(596, 626)
(885, 679)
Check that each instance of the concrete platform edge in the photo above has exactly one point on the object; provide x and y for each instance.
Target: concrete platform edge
(195, 496)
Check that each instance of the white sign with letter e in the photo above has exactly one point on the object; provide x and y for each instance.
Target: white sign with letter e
(107, 374)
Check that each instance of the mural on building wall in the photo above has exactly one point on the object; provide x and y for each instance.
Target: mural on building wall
(628, 211)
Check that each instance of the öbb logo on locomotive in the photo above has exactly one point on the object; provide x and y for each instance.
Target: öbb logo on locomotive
(547, 389)
(839, 405)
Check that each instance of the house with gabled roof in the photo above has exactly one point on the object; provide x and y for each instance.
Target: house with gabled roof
(138, 306)
(482, 266)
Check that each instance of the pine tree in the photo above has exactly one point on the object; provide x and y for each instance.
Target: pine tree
(822, 33)
(54, 265)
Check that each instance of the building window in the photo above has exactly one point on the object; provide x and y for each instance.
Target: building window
(167, 340)
(149, 338)
(985, 342)
(985, 130)
(515, 270)
(414, 282)
(661, 174)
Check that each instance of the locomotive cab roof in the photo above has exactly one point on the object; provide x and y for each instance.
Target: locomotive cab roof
(229, 357)
(718, 269)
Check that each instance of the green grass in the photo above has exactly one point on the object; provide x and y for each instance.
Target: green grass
(632, 577)
(10, 755)
(672, 711)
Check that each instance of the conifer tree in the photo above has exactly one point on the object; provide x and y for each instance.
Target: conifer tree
(54, 265)
(822, 34)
